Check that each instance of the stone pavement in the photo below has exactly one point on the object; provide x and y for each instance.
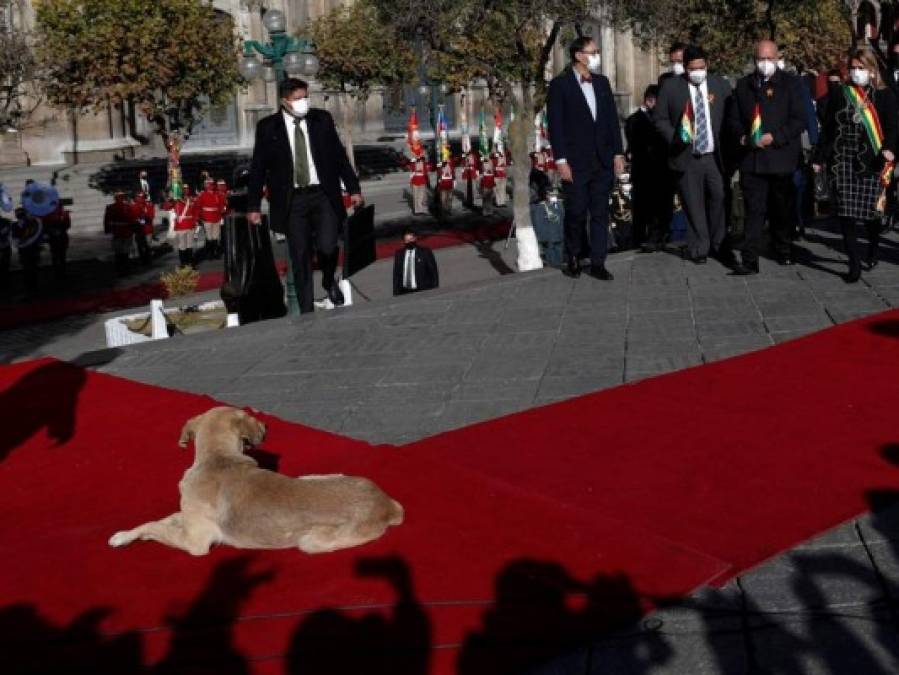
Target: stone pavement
(396, 370)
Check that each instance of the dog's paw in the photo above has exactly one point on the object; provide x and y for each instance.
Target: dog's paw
(121, 539)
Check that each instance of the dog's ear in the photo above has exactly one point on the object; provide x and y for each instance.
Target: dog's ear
(251, 430)
(188, 431)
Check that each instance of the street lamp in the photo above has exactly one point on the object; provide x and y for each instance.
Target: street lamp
(284, 56)
(429, 89)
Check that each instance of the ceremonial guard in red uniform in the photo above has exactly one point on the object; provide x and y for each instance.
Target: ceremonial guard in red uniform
(211, 213)
(184, 222)
(500, 167)
(488, 186)
(120, 221)
(446, 183)
(144, 214)
(470, 174)
(418, 180)
(56, 230)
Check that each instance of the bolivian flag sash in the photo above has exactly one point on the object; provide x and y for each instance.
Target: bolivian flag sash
(686, 126)
(871, 122)
(755, 131)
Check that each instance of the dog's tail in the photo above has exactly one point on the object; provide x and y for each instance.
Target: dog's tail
(397, 513)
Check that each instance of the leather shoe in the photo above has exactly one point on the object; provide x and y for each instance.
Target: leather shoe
(601, 273)
(574, 267)
(335, 295)
(745, 269)
(726, 258)
(698, 259)
(650, 247)
(854, 273)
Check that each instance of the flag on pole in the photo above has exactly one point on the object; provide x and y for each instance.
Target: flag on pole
(483, 141)
(443, 136)
(413, 138)
(498, 130)
(463, 127)
(755, 131)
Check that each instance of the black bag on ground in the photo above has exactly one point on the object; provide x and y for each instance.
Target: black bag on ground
(359, 249)
(252, 288)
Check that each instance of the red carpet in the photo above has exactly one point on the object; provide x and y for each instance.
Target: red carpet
(108, 300)
(524, 535)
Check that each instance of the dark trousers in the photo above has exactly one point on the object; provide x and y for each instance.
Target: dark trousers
(588, 195)
(29, 258)
(59, 247)
(702, 195)
(653, 206)
(771, 197)
(311, 222)
(850, 238)
(5, 257)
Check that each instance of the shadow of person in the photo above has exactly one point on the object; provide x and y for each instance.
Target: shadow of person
(545, 621)
(885, 327)
(331, 642)
(31, 644)
(43, 399)
(202, 639)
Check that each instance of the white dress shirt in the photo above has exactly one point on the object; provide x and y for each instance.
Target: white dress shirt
(589, 93)
(409, 270)
(289, 123)
(704, 88)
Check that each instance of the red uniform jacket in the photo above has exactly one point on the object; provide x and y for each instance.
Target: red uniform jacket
(418, 173)
(488, 181)
(119, 220)
(209, 206)
(144, 213)
(500, 164)
(185, 214)
(446, 177)
(471, 170)
(57, 223)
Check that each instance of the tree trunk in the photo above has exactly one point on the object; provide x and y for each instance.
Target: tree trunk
(519, 133)
(74, 114)
(348, 129)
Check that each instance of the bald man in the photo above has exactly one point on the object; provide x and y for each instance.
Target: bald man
(768, 117)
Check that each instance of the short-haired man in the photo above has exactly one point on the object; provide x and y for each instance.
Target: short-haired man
(690, 116)
(299, 158)
(675, 62)
(768, 115)
(586, 141)
(414, 267)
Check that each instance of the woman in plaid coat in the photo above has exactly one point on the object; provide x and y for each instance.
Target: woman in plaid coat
(857, 146)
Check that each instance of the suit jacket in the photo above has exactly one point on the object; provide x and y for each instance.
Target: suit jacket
(867, 162)
(784, 116)
(426, 274)
(647, 149)
(670, 108)
(272, 165)
(586, 145)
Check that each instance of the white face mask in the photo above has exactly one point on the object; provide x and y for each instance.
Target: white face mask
(766, 67)
(698, 76)
(781, 64)
(594, 61)
(677, 68)
(860, 77)
(300, 107)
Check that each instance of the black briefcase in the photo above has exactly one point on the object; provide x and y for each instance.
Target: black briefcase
(359, 241)
(252, 287)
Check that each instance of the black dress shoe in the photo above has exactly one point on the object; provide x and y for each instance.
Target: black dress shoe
(574, 267)
(601, 273)
(745, 269)
(873, 257)
(650, 247)
(699, 259)
(785, 261)
(726, 258)
(854, 273)
(335, 295)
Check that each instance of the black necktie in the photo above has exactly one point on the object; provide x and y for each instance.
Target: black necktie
(300, 160)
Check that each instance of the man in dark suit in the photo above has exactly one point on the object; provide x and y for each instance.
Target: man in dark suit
(300, 159)
(586, 139)
(690, 115)
(414, 267)
(769, 153)
(648, 154)
(675, 63)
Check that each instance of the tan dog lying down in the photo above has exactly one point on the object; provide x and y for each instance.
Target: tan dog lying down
(227, 498)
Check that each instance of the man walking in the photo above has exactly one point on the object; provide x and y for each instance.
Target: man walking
(299, 158)
(586, 139)
(414, 267)
(648, 155)
(690, 116)
(768, 115)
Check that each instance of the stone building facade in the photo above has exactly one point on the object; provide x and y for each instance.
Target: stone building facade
(47, 139)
